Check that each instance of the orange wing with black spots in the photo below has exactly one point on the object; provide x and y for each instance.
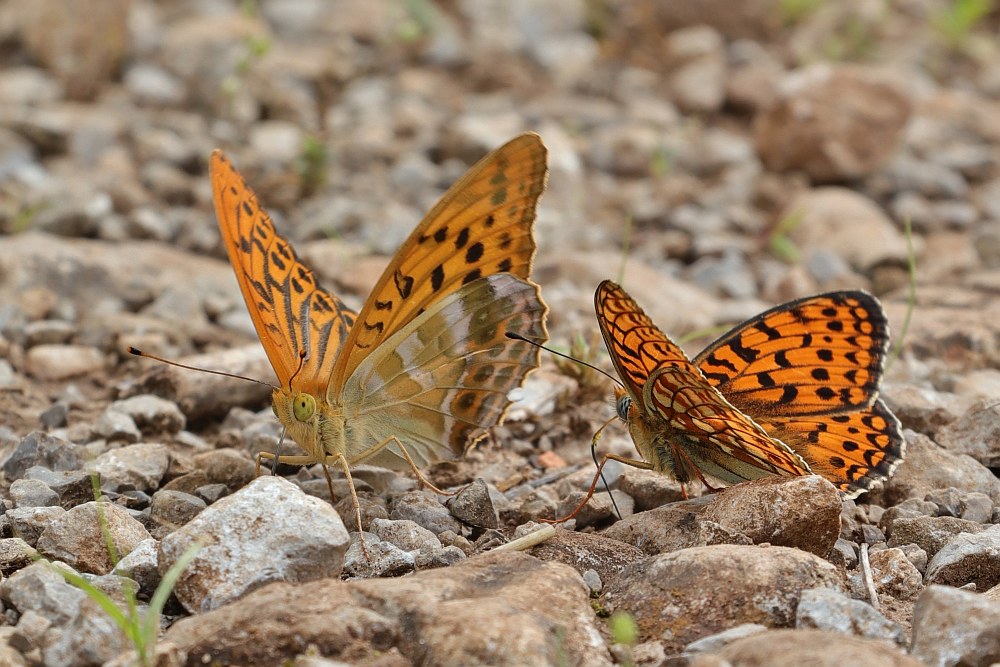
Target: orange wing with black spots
(480, 227)
(818, 355)
(809, 372)
(291, 313)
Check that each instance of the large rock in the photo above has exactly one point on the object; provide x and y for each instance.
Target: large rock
(792, 648)
(801, 512)
(688, 594)
(968, 557)
(76, 537)
(268, 531)
(498, 609)
(928, 467)
(846, 223)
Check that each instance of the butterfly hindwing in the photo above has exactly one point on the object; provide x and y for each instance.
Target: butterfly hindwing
(445, 376)
(719, 439)
(853, 450)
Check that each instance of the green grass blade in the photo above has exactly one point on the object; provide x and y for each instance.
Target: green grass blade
(162, 592)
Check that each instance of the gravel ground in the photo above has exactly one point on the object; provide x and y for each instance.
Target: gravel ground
(715, 162)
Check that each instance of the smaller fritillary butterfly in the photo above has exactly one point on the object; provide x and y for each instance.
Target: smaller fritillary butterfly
(790, 392)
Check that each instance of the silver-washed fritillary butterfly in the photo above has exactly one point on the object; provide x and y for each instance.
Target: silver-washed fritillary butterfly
(424, 369)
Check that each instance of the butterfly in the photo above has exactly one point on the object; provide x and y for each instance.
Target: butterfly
(424, 369)
(792, 391)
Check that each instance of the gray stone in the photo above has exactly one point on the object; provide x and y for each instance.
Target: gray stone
(473, 506)
(151, 413)
(408, 536)
(930, 533)
(15, 554)
(915, 555)
(77, 536)
(62, 362)
(32, 493)
(948, 501)
(41, 449)
(953, 627)
(173, 509)
(140, 466)
(266, 531)
(712, 643)
(377, 558)
(424, 509)
(72, 486)
(976, 507)
(826, 609)
(211, 492)
(593, 581)
(928, 467)
(54, 416)
(28, 523)
(966, 558)
(39, 588)
(115, 426)
(140, 565)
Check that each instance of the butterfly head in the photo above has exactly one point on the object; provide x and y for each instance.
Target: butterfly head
(623, 403)
(299, 414)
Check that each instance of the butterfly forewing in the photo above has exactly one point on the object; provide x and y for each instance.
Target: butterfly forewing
(448, 372)
(637, 347)
(818, 355)
(481, 226)
(289, 310)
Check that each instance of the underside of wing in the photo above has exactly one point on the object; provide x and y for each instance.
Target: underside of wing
(442, 381)
(818, 355)
(291, 313)
(480, 227)
(712, 435)
(853, 450)
(636, 346)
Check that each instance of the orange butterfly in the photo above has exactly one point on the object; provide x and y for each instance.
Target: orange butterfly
(424, 369)
(792, 391)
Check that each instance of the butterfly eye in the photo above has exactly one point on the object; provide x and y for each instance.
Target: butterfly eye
(622, 407)
(303, 407)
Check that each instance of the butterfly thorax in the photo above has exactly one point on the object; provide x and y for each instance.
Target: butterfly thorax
(645, 431)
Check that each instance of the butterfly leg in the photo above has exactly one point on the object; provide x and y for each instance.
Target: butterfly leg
(635, 463)
(393, 440)
(342, 461)
(680, 454)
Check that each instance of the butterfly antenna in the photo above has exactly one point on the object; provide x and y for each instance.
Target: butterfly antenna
(303, 354)
(515, 336)
(139, 353)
